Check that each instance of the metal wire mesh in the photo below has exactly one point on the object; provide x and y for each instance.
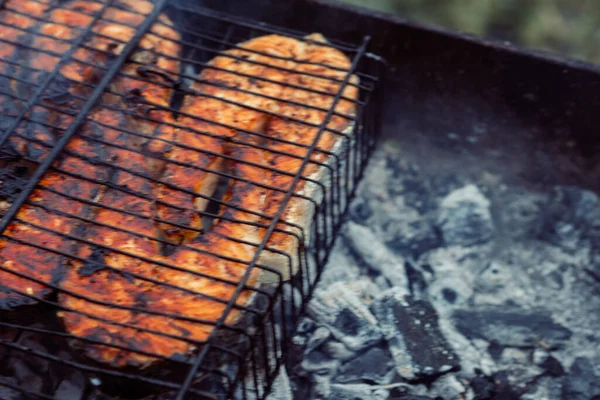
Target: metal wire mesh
(89, 106)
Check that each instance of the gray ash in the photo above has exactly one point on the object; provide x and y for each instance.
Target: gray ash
(456, 281)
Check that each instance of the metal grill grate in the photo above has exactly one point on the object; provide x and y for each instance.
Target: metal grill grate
(87, 139)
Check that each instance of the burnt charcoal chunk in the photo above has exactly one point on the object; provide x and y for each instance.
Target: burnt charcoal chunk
(347, 322)
(411, 329)
(464, 218)
(581, 383)
(409, 234)
(320, 363)
(406, 182)
(495, 349)
(348, 319)
(374, 366)
(496, 387)
(570, 219)
(516, 328)
(417, 282)
(449, 295)
(360, 211)
(553, 367)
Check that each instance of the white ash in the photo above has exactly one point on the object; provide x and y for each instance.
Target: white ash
(507, 273)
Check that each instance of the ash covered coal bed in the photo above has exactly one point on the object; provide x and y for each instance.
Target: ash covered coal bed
(454, 283)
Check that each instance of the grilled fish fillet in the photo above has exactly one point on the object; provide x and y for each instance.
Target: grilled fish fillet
(53, 211)
(292, 121)
(148, 306)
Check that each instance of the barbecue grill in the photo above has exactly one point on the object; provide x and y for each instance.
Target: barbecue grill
(436, 82)
(242, 357)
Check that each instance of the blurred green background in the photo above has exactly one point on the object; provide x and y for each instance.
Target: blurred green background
(567, 27)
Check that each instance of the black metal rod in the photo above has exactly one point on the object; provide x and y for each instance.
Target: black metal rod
(81, 116)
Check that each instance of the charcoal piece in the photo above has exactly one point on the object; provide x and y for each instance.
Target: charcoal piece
(570, 219)
(553, 367)
(369, 249)
(411, 330)
(357, 391)
(360, 210)
(348, 319)
(405, 181)
(495, 387)
(511, 327)
(581, 383)
(495, 350)
(320, 363)
(305, 326)
(337, 350)
(408, 233)
(319, 336)
(449, 295)
(417, 282)
(464, 217)
(321, 387)
(374, 366)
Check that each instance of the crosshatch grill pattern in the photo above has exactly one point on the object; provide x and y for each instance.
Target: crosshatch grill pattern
(43, 219)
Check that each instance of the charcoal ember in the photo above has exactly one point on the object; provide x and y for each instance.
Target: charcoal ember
(407, 232)
(511, 326)
(373, 366)
(376, 256)
(464, 217)
(349, 320)
(581, 383)
(411, 330)
(570, 219)
(357, 391)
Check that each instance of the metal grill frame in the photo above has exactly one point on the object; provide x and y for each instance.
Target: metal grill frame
(258, 366)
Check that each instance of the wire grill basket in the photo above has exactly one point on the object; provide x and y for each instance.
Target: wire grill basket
(76, 154)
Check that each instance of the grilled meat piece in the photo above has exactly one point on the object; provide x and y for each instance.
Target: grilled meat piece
(53, 212)
(311, 74)
(153, 306)
(147, 306)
